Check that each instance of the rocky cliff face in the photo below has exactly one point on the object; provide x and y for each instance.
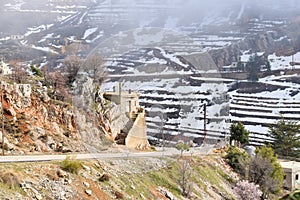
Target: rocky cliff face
(35, 123)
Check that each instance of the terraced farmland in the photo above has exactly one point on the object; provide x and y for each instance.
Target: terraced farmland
(258, 111)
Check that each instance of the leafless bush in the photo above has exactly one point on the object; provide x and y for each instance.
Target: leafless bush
(184, 179)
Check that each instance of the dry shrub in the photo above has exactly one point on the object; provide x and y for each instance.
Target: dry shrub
(71, 165)
(104, 178)
(119, 195)
(53, 176)
(10, 178)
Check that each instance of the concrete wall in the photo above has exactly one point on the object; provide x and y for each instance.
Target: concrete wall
(137, 136)
(291, 170)
(297, 182)
(288, 180)
(129, 102)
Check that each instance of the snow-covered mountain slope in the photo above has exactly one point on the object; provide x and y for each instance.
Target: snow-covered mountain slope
(162, 50)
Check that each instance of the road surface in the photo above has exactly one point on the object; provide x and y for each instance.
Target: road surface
(106, 155)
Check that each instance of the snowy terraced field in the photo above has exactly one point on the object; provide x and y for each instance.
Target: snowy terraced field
(259, 111)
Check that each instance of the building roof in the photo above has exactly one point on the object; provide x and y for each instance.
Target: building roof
(293, 165)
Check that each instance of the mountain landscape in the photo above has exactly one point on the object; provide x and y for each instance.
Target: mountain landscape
(93, 76)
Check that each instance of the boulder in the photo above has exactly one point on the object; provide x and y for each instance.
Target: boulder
(62, 174)
(88, 192)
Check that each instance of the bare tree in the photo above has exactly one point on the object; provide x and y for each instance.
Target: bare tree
(94, 66)
(71, 67)
(266, 171)
(260, 172)
(184, 179)
(19, 73)
(58, 83)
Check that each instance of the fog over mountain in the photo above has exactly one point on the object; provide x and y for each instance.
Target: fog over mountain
(37, 12)
(188, 43)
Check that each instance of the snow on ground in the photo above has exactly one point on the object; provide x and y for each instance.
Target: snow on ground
(45, 49)
(15, 6)
(274, 81)
(246, 55)
(81, 18)
(89, 32)
(48, 36)
(5, 38)
(63, 18)
(37, 29)
(265, 108)
(172, 57)
(283, 62)
(65, 7)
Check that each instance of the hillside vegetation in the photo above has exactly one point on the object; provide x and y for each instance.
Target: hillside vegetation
(144, 178)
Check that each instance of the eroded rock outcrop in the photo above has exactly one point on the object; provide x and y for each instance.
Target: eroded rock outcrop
(281, 41)
(33, 122)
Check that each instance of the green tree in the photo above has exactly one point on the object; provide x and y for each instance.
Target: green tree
(286, 136)
(240, 66)
(237, 158)
(253, 67)
(239, 133)
(36, 71)
(181, 146)
(266, 171)
(268, 66)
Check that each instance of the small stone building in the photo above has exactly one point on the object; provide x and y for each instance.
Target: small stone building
(129, 101)
(134, 133)
(292, 174)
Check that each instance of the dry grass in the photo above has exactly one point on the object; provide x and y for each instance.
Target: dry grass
(10, 178)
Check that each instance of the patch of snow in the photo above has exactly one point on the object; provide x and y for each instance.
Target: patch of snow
(48, 36)
(172, 58)
(45, 49)
(62, 18)
(281, 38)
(5, 38)
(96, 38)
(283, 62)
(89, 32)
(81, 18)
(65, 7)
(37, 29)
(17, 6)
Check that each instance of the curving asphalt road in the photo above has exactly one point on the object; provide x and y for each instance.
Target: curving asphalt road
(160, 152)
